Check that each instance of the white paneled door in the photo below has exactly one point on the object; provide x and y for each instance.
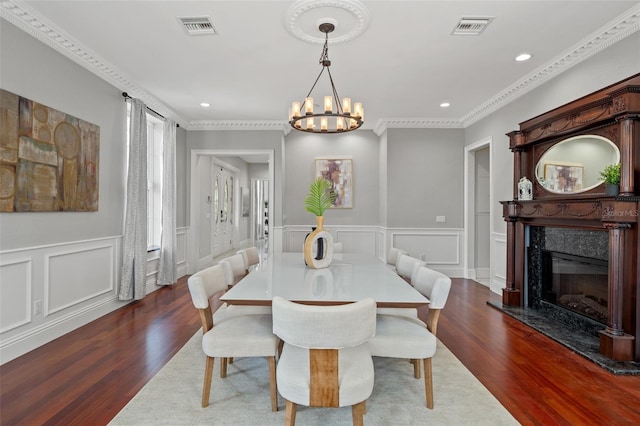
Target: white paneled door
(223, 214)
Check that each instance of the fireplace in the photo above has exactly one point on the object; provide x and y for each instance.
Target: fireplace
(563, 273)
(575, 283)
(567, 270)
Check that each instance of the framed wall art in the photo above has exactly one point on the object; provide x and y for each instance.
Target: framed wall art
(563, 177)
(338, 171)
(49, 158)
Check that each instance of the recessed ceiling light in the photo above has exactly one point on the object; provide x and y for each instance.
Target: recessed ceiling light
(205, 104)
(445, 105)
(523, 57)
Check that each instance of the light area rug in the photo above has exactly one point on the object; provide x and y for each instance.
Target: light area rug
(173, 396)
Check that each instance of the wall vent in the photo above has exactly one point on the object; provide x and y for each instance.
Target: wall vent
(471, 26)
(198, 26)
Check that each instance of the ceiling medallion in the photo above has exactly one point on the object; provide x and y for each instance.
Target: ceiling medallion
(344, 119)
(303, 16)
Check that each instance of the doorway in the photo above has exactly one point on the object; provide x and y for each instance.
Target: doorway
(478, 212)
(216, 210)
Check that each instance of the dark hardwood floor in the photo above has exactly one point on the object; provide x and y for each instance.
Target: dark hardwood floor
(88, 375)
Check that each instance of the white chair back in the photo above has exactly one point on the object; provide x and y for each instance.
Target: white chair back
(434, 285)
(392, 256)
(204, 284)
(234, 268)
(250, 256)
(407, 266)
(324, 327)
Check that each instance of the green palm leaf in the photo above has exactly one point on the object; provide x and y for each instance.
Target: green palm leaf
(320, 197)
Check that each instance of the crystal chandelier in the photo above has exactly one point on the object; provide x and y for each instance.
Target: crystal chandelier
(344, 119)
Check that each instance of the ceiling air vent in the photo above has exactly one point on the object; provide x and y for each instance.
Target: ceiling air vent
(198, 26)
(471, 26)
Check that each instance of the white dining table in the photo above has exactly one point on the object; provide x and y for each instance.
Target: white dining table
(349, 278)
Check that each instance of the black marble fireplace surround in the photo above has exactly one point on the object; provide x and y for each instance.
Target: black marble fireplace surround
(543, 243)
(573, 330)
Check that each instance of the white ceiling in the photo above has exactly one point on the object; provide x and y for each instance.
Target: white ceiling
(402, 66)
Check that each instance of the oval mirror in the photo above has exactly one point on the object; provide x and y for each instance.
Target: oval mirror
(574, 165)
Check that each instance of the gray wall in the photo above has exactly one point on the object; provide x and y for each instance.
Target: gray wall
(424, 177)
(607, 67)
(31, 69)
(301, 150)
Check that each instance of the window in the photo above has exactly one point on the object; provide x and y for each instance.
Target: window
(154, 182)
(155, 129)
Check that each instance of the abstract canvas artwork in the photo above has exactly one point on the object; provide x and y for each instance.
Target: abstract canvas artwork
(48, 159)
(339, 172)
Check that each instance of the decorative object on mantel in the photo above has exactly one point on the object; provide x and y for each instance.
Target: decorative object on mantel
(611, 177)
(525, 189)
(343, 119)
(319, 199)
(49, 158)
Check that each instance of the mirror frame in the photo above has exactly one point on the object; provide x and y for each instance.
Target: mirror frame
(540, 163)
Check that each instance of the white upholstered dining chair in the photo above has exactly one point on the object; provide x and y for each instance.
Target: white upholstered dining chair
(410, 338)
(234, 269)
(406, 266)
(325, 361)
(392, 257)
(237, 336)
(251, 257)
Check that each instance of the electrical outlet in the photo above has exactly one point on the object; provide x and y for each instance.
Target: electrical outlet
(37, 307)
(441, 219)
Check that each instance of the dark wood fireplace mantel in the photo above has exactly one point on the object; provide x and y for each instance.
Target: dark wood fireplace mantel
(612, 113)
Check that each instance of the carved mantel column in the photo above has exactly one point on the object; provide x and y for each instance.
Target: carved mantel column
(511, 294)
(619, 217)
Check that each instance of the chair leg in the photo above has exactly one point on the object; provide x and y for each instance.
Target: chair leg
(428, 382)
(290, 414)
(357, 413)
(223, 368)
(230, 360)
(208, 375)
(416, 368)
(272, 383)
(280, 346)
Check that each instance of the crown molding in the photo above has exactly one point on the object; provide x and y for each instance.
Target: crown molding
(28, 20)
(204, 125)
(607, 35)
(416, 123)
(24, 17)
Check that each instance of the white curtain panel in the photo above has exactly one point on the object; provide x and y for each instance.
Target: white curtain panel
(134, 240)
(167, 270)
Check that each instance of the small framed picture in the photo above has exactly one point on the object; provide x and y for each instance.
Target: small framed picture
(563, 177)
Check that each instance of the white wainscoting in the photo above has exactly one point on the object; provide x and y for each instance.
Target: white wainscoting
(499, 262)
(354, 239)
(441, 248)
(48, 291)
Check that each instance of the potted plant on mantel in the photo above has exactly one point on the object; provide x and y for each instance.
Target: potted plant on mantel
(320, 198)
(611, 177)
